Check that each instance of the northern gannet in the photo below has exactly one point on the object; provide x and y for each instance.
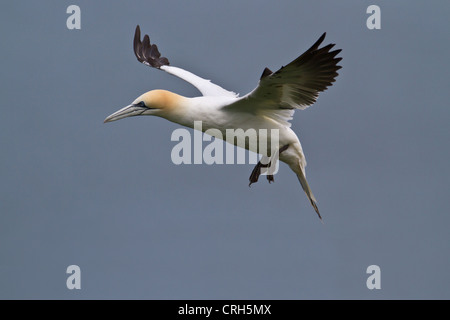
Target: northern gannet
(270, 105)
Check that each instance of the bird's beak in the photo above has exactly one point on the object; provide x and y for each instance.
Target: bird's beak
(128, 111)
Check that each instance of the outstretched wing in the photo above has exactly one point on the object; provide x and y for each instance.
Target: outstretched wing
(149, 55)
(295, 86)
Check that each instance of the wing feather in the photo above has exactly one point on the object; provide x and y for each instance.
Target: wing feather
(294, 86)
(149, 55)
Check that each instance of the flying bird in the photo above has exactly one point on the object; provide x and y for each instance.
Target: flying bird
(270, 105)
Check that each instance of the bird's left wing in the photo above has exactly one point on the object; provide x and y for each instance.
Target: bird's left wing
(149, 55)
(295, 86)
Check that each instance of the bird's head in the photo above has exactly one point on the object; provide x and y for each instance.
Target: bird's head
(151, 103)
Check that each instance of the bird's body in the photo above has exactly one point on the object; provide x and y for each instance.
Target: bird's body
(211, 113)
(270, 106)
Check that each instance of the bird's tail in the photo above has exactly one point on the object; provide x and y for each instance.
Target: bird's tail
(307, 189)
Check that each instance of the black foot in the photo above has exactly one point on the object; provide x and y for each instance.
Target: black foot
(257, 172)
(254, 176)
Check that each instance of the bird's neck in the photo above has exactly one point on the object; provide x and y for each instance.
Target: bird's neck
(186, 111)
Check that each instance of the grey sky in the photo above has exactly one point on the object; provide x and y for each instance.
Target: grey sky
(107, 197)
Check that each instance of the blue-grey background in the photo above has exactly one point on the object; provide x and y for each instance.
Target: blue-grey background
(107, 197)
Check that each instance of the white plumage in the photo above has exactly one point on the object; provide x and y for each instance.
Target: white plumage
(270, 105)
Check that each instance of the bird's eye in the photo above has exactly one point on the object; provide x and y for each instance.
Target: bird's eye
(141, 104)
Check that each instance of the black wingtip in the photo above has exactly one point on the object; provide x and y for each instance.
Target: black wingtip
(146, 52)
(319, 41)
(323, 36)
(136, 40)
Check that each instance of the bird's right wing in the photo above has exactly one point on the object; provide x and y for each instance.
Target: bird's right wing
(149, 55)
(295, 86)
